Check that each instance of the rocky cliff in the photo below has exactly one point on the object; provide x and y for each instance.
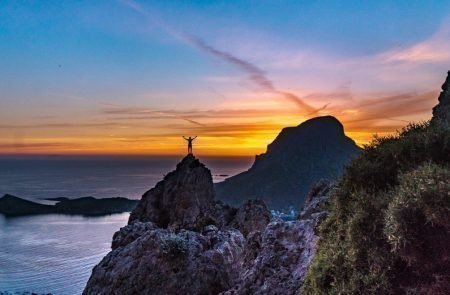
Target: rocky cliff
(183, 199)
(179, 240)
(299, 157)
(441, 112)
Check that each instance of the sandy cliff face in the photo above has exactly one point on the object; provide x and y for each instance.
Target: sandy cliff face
(179, 240)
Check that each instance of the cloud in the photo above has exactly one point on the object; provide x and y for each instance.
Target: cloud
(149, 113)
(254, 73)
(435, 49)
(39, 145)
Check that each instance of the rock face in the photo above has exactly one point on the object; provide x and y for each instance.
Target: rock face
(180, 241)
(162, 261)
(276, 260)
(441, 112)
(183, 199)
(253, 215)
(299, 157)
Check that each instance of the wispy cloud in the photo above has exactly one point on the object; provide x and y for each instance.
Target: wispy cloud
(435, 49)
(254, 73)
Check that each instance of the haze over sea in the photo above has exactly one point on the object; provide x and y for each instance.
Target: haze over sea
(55, 253)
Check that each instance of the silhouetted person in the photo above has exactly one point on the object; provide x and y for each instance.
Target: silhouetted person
(190, 140)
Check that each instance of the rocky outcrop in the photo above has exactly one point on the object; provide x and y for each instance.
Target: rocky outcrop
(183, 199)
(164, 261)
(276, 260)
(253, 215)
(179, 240)
(130, 233)
(299, 157)
(441, 112)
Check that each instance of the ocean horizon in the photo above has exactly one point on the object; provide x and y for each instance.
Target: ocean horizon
(41, 177)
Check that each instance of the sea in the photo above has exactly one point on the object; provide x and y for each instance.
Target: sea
(56, 253)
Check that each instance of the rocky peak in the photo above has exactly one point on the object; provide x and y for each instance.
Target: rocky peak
(441, 112)
(328, 127)
(183, 199)
(298, 157)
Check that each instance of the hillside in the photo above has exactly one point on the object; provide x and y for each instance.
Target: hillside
(388, 229)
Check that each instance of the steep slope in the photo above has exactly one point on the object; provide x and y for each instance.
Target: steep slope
(388, 229)
(299, 157)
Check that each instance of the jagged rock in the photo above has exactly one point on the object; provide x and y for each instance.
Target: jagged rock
(299, 157)
(163, 261)
(253, 215)
(224, 213)
(441, 112)
(276, 261)
(131, 232)
(317, 196)
(180, 241)
(183, 199)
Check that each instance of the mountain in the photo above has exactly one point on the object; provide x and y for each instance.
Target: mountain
(89, 206)
(297, 158)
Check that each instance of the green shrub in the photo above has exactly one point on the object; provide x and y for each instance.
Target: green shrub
(173, 245)
(361, 241)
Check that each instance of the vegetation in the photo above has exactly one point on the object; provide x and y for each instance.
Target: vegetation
(173, 245)
(388, 229)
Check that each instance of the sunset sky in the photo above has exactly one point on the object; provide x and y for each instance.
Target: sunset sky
(132, 77)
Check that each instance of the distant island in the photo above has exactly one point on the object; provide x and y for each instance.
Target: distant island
(297, 159)
(87, 206)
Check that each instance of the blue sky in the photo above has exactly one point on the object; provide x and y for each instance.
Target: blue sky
(68, 63)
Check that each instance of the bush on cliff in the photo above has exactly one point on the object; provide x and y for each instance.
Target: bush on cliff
(388, 226)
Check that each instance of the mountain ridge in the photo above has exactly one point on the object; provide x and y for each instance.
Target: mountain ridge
(297, 158)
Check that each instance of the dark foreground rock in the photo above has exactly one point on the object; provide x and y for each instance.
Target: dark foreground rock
(276, 260)
(441, 112)
(175, 244)
(164, 261)
(13, 206)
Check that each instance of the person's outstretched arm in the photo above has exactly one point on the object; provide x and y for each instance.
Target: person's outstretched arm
(184, 137)
(195, 137)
